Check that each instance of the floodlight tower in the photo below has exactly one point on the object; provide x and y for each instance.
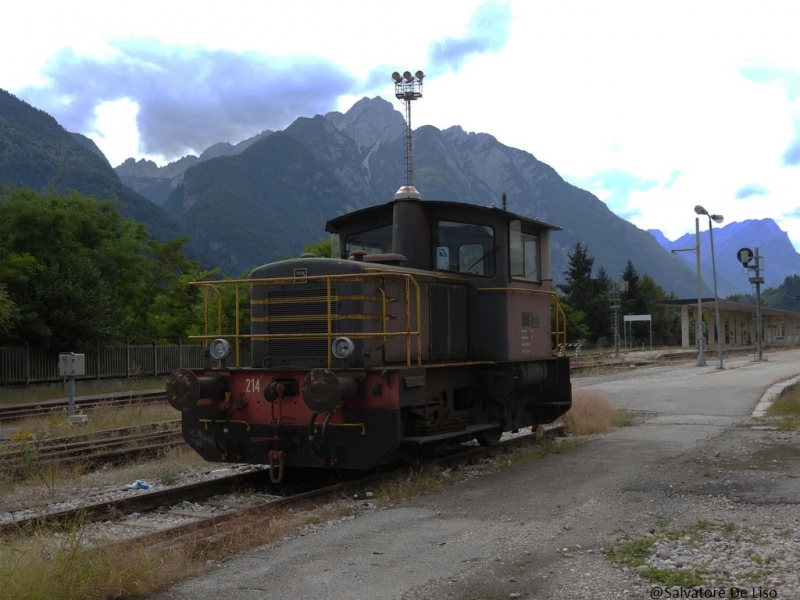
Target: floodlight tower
(407, 88)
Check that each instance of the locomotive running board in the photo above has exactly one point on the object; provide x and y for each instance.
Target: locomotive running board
(469, 431)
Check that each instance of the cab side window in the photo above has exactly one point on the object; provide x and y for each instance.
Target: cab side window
(464, 248)
(524, 253)
(372, 241)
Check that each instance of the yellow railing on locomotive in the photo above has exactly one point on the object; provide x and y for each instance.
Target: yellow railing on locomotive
(560, 330)
(213, 287)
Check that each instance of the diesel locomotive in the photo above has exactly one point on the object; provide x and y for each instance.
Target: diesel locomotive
(431, 323)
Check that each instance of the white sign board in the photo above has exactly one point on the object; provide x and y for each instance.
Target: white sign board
(71, 364)
(629, 318)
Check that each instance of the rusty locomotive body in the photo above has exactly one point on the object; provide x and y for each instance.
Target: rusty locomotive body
(432, 323)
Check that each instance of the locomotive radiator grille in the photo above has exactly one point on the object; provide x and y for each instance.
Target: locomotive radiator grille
(299, 311)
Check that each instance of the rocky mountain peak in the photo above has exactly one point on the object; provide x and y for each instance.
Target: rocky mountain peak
(370, 122)
(779, 255)
(138, 168)
(218, 149)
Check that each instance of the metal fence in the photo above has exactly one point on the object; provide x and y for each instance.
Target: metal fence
(25, 365)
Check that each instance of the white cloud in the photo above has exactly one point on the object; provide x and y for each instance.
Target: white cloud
(116, 121)
(654, 106)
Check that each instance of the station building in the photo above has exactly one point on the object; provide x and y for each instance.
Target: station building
(780, 327)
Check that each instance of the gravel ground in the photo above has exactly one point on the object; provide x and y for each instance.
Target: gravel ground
(718, 522)
(36, 498)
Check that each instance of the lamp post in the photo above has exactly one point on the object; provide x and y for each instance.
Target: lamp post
(698, 321)
(717, 219)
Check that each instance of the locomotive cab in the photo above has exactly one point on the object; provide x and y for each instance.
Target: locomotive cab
(431, 322)
(502, 301)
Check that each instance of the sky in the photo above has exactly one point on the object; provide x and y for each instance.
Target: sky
(654, 107)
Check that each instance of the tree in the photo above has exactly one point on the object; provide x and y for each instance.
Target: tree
(78, 273)
(633, 302)
(599, 312)
(7, 312)
(578, 288)
(587, 295)
(166, 305)
(666, 321)
(785, 296)
(575, 323)
(322, 248)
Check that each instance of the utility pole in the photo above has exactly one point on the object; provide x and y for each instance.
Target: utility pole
(699, 325)
(615, 308)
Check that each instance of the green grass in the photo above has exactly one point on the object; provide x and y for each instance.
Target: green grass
(674, 577)
(44, 567)
(787, 405)
(636, 554)
(787, 410)
(632, 554)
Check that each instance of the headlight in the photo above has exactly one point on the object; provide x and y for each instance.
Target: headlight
(219, 349)
(342, 347)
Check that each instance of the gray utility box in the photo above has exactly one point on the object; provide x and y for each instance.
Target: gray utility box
(71, 364)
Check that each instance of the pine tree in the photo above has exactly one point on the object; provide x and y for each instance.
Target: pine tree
(578, 288)
(633, 302)
(587, 295)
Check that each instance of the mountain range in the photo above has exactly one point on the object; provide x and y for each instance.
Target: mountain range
(266, 197)
(267, 200)
(780, 259)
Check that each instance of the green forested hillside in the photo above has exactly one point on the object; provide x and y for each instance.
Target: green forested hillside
(264, 204)
(37, 153)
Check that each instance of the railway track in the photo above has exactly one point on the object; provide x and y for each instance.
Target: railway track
(109, 446)
(16, 412)
(210, 516)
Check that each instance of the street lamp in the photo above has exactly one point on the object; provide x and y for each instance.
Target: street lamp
(717, 219)
(699, 333)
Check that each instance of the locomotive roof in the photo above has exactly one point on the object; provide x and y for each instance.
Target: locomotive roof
(372, 212)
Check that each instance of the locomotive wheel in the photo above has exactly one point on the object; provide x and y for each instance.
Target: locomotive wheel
(489, 438)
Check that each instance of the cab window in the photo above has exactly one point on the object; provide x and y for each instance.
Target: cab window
(523, 253)
(372, 241)
(464, 248)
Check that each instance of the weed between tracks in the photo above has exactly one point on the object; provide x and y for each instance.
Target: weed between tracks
(54, 484)
(33, 394)
(45, 567)
(33, 433)
(100, 419)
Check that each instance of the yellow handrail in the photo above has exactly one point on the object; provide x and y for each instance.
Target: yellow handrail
(329, 316)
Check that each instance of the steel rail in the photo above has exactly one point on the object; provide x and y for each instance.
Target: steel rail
(21, 411)
(205, 528)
